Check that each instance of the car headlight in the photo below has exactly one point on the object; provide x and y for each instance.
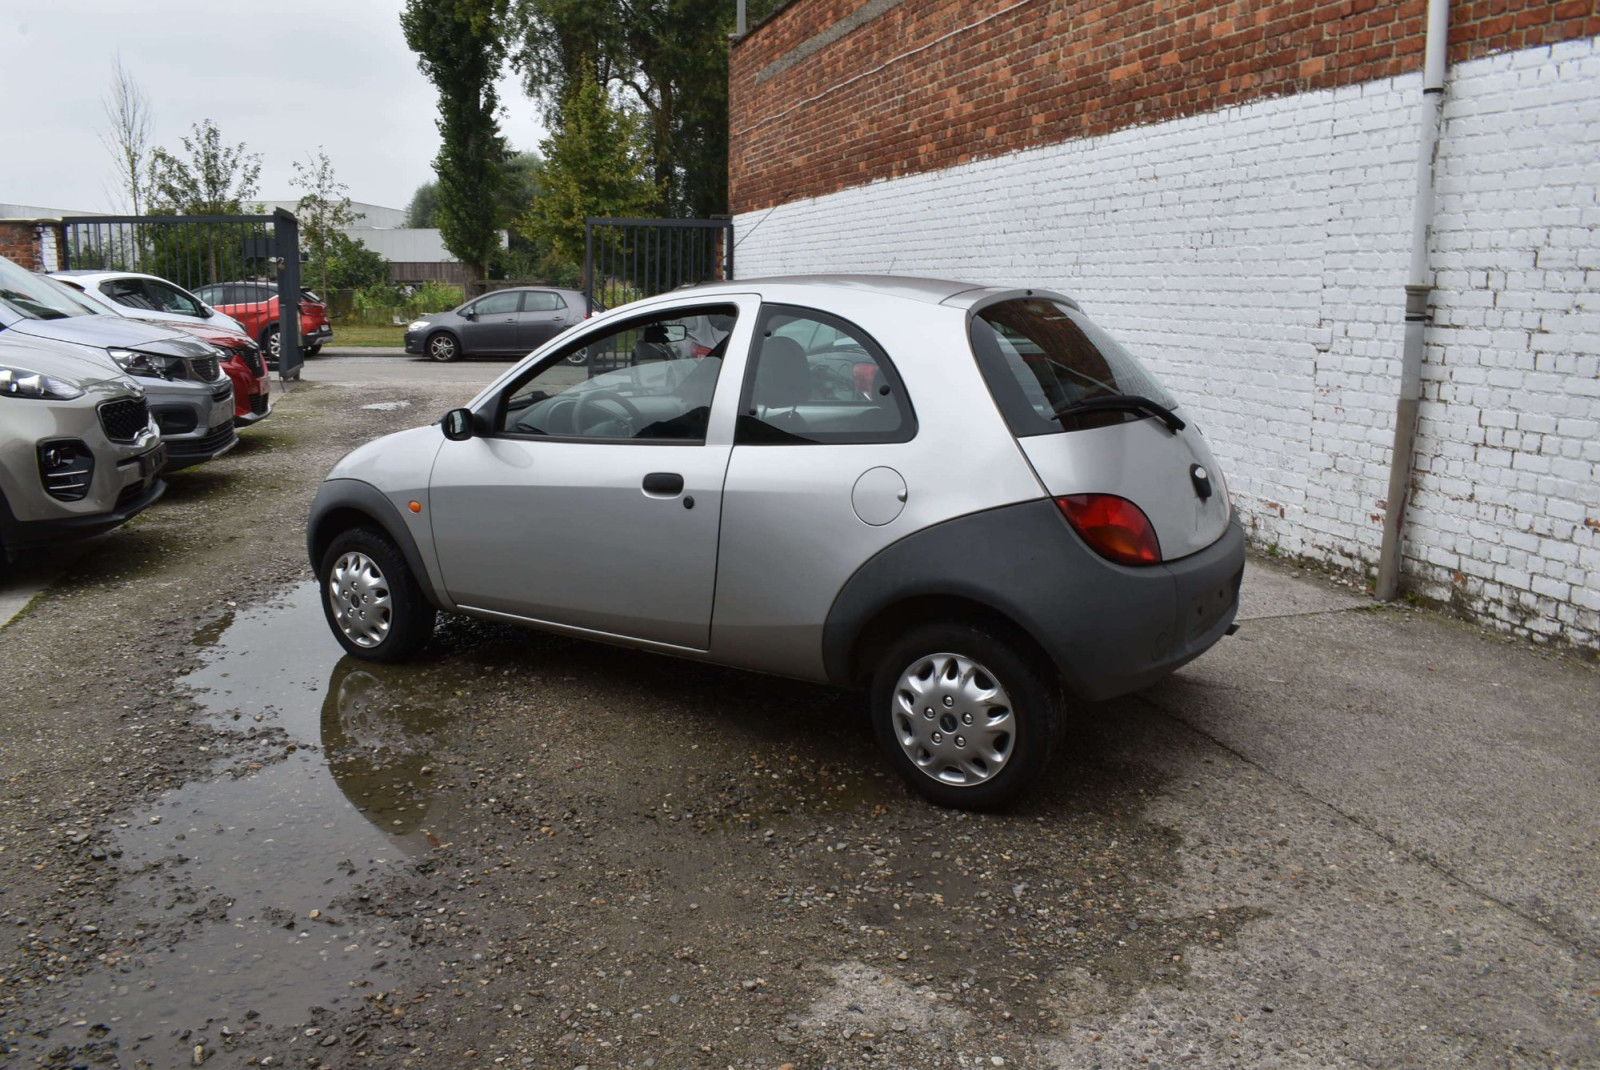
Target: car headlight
(149, 365)
(21, 383)
(417, 325)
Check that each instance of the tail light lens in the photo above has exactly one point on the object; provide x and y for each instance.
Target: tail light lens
(1114, 528)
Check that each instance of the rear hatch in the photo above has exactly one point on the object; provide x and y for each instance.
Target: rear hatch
(1098, 428)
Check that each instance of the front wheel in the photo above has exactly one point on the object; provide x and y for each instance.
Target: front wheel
(443, 347)
(968, 719)
(271, 344)
(312, 351)
(372, 601)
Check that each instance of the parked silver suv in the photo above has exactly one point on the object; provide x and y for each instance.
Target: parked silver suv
(960, 497)
(79, 454)
(189, 394)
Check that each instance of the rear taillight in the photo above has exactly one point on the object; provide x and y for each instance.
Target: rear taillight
(1114, 528)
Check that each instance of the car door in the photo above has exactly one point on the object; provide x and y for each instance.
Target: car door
(596, 503)
(543, 316)
(491, 323)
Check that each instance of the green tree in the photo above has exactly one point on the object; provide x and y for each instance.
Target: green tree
(210, 178)
(347, 264)
(592, 167)
(460, 49)
(669, 61)
(323, 212)
(423, 211)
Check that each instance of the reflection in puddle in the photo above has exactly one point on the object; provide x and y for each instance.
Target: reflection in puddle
(231, 907)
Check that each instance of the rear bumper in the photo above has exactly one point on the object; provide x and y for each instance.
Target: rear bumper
(1108, 628)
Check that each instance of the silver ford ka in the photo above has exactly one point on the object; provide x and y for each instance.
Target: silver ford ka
(969, 500)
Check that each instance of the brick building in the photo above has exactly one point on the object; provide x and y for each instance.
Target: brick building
(1229, 187)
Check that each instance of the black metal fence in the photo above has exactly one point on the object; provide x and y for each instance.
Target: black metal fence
(246, 266)
(626, 259)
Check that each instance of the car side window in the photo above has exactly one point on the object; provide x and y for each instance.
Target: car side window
(641, 381)
(816, 379)
(171, 299)
(496, 303)
(542, 301)
(128, 293)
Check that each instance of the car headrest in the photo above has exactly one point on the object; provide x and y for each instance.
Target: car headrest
(783, 378)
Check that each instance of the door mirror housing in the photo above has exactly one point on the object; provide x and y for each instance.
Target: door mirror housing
(457, 425)
(468, 314)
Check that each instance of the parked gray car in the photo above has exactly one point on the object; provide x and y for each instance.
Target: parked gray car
(79, 454)
(959, 497)
(510, 322)
(190, 396)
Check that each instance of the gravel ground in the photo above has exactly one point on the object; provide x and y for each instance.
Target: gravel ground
(532, 851)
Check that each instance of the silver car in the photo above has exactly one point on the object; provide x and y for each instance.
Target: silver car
(190, 395)
(80, 453)
(964, 499)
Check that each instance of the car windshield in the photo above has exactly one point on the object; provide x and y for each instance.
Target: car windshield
(38, 297)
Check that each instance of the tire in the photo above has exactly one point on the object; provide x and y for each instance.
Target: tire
(370, 598)
(932, 693)
(443, 347)
(271, 346)
(312, 351)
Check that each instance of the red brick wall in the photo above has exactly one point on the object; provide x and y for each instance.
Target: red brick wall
(1036, 72)
(19, 243)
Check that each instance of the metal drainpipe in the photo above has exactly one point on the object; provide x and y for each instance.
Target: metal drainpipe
(1419, 284)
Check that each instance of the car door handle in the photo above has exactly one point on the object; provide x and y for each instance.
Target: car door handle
(664, 483)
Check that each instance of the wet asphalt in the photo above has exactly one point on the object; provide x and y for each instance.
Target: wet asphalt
(1350, 835)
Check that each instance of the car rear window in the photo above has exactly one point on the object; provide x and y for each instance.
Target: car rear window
(1040, 357)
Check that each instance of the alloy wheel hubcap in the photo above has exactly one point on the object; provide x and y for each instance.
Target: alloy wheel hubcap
(953, 720)
(443, 349)
(358, 594)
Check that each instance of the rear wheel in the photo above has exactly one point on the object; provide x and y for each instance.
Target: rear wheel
(271, 345)
(966, 717)
(372, 601)
(443, 347)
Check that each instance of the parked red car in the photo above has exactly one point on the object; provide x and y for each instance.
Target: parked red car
(255, 304)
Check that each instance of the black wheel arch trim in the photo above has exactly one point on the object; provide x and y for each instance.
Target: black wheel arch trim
(1108, 629)
(340, 497)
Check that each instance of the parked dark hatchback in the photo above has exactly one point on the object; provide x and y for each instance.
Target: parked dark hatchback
(505, 323)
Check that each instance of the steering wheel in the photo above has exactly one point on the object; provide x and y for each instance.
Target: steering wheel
(589, 404)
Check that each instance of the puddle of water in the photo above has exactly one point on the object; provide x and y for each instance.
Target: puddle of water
(214, 916)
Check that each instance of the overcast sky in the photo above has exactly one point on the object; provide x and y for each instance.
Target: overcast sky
(283, 77)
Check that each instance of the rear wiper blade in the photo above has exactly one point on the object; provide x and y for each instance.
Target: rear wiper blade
(1124, 403)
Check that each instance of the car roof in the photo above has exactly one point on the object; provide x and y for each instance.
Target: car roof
(98, 273)
(929, 291)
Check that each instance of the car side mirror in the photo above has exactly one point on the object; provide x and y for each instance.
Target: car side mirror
(469, 315)
(457, 425)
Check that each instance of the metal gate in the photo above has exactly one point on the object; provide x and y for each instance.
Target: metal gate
(626, 259)
(246, 266)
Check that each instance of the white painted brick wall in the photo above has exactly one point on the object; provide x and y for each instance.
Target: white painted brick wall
(1256, 259)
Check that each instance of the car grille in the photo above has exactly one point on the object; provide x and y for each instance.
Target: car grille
(258, 403)
(130, 494)
(251, 355)
(222, 391)
(123, 420)
(205, 369)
